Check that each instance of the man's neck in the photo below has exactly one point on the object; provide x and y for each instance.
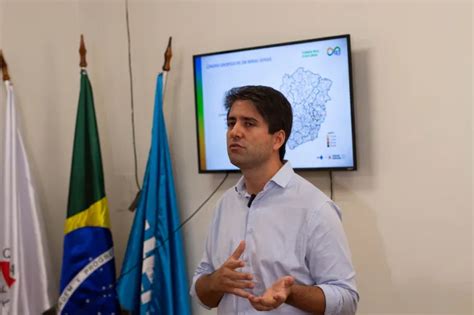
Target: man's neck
(256, 178)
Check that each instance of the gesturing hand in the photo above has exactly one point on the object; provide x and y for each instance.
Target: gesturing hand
(274, 296)
(226, 279)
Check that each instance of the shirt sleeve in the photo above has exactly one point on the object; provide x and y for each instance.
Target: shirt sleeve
(329, 260)
(205, 266)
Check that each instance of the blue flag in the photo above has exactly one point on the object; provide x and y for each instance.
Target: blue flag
(153, 278)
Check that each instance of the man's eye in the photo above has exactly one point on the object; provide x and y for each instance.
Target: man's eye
(249, 124)
(230, 124)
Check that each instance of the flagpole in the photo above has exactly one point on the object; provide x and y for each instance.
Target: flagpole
(82, 53)
(167, 65)
(4, 67)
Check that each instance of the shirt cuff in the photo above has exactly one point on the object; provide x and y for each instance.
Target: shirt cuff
(193, 292)
(332, 300)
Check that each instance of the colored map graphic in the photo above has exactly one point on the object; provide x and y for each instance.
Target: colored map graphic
(308, 95)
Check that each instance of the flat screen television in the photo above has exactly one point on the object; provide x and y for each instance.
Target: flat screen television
(316, 77)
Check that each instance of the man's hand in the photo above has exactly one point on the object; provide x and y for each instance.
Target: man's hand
(227, 280)
(274, 296)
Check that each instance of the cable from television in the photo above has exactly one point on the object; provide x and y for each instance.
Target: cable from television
(331, 185)
(132, 106)
(163, 243)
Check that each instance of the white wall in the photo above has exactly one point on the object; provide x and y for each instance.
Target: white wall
(407, 210)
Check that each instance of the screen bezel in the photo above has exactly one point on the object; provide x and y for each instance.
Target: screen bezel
(351, 94)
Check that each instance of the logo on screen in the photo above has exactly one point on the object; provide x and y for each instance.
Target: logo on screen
(334, 51)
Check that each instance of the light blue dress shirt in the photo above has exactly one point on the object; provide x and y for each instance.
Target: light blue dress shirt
(291, 228)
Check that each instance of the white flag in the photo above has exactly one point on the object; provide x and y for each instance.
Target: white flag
(26, 286)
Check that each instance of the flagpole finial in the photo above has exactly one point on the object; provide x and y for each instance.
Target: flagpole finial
(4, 67)
(168, 55)
(82, 53)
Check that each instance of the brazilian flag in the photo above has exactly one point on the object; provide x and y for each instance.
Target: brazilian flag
(88, 269)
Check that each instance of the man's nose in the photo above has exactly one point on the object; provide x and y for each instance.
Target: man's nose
(235, 131)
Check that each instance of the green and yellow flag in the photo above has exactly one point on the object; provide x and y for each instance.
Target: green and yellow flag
(88, 270)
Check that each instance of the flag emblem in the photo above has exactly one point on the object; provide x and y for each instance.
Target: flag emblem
(6, 268)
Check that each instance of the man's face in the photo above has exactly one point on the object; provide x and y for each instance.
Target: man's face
(249, 144)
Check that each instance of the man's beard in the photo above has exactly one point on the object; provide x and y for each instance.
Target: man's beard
(246, 161)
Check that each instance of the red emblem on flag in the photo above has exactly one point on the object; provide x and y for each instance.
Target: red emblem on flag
(5, 268)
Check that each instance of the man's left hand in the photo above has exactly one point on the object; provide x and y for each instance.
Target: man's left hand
(273, 296)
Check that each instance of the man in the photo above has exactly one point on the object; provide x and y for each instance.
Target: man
(276, 242)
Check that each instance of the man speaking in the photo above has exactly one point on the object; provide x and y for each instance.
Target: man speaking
(276, 242)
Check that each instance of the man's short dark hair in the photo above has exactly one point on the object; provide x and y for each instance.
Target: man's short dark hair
(270, 103)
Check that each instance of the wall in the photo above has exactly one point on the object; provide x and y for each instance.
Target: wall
(407, 210)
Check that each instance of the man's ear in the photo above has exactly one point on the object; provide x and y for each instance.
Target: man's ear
(278, 139)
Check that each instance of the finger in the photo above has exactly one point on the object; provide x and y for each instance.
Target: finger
(239, 284)
(288, 281)
(239, 250)
(235, 275)
(234, 264)
(269, 301)
(239, 292)
(260, 307)
(279, 298)
(263, 301)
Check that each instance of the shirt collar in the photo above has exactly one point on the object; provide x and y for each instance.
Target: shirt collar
(281, 178)
(240, 186)
(284, 175)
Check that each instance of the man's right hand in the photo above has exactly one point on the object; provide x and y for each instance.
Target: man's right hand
(227, 279)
